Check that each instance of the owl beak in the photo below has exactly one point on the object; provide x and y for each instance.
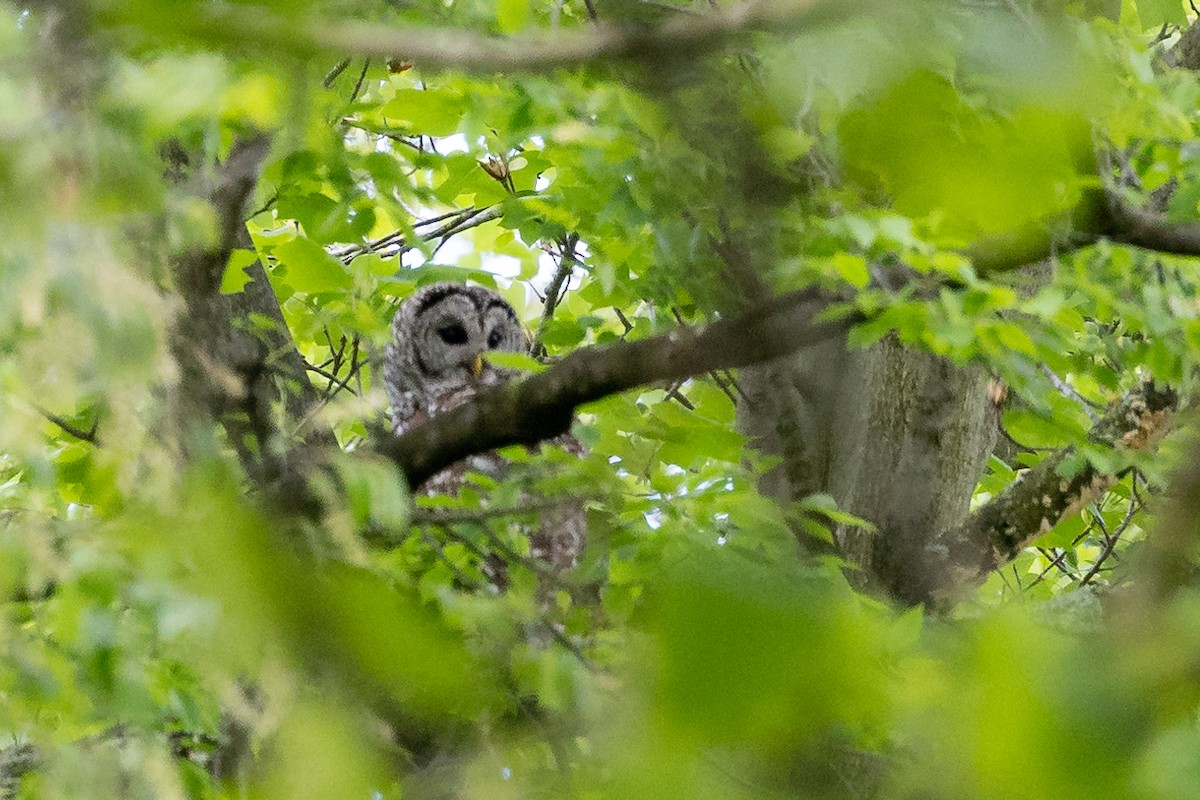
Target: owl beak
(477, 367)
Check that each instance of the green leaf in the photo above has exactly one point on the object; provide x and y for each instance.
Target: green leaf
(512, 15)
(926, 145)
(740, 638)
(520, 362)
(432, 112)
(315, 212)
(374, 264)
(1012, 337)
(1155, 13)
(309, 268)
(1184, 202)
(852, 269)
(376, 492)
(786, 144)
(560, 332)
(235, 278)
(825, 506)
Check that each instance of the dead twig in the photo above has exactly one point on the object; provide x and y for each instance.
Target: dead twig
(88, 436)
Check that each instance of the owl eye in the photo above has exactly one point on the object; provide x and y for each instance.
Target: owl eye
(453, 334)
(494, 340)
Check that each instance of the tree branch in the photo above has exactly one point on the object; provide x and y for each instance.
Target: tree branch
(554, 291)
(1185, 53)
(230, 25)
(1148, 230)
(394, 244)
(200, 269)
(957, 560)
(541, 407)
(232, 372)
(1101, 214)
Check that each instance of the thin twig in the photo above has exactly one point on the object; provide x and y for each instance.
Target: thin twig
(1167, 31)
(355, 366)
(541, 569)
(335, 351)
(359, 83)
(466, 542)
(337, 384)
(1056, 561)
(570, 646)
(1020, 446)
(322, 372)
(1008, 587)
(731, 381)
(475, 220)
(265, 206)
(1068, 391)
(333, 74)
(716, 378)
(1042, 575)
(624, 321)
(85, 436)
(337, 359)
(1110, 541)
(555, 291)
(347, 254)
(674, 394)
(714, 374)
(418, 145)
(466, 580)
(330, 392)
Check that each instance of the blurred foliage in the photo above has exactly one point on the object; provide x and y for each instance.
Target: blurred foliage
(164, 634)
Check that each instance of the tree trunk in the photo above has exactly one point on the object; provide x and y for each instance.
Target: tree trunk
(897, 436)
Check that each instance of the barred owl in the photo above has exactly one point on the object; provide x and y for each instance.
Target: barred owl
(434, 363)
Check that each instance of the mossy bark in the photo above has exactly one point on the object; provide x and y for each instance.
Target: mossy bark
(897, 436)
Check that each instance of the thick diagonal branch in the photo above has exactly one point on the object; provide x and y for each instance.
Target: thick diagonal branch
(541, 407)
(957, 560)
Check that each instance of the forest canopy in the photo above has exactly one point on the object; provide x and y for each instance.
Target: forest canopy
(871, 330)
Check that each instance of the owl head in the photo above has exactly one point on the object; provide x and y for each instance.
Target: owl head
(439, 336)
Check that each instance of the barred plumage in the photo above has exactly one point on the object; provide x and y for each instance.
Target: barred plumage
(433, 364)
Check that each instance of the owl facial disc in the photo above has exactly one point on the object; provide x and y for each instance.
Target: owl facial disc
(439, 337)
